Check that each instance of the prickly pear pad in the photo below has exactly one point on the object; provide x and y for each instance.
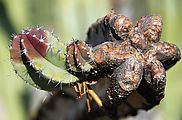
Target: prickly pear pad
(38, 57)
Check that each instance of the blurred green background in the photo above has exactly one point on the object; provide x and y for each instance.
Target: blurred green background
(71, 19)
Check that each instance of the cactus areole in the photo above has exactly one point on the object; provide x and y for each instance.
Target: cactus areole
(132, 57)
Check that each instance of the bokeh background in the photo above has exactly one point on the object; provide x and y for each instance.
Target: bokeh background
(71, 19)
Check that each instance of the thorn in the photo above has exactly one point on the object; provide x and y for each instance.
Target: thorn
(58, 38)
(37, 27)
(55, 35)
(22, 40)
(52, 32)
(81, 67)
(14, 36)
(61, 85)
(11, 60)
(23, 51)
(50, 45)
(29, 29)
(9, 47)
(30, 62)
(23, 31)
(50, 80)
(69, 68)
(59, 51)
(44, 99)
(60, 82)
(39, 72)
(41, 39)
(70, 46)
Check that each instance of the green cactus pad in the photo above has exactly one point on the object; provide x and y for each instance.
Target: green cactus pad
(16, 60)
(39, 58)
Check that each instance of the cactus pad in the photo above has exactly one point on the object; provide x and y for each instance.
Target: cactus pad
(38, 57)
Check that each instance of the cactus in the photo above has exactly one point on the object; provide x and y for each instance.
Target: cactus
(43, 61)
(38, 57)
(128, 56)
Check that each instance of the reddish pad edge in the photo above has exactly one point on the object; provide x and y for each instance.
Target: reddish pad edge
(34, 37)
(70, 52)
(84, 50)
(32, 52)
(80, 61)
(15, 52)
